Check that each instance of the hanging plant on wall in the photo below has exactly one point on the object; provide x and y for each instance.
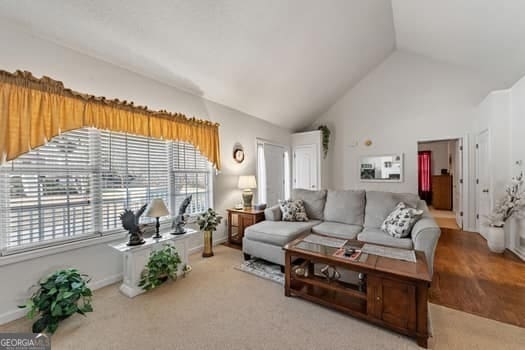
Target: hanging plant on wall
(326, 138)
(162, 265)
(59, 296)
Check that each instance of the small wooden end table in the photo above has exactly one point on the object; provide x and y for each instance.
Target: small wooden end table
(238, 220)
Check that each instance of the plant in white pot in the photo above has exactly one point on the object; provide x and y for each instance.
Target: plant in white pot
(512, 204)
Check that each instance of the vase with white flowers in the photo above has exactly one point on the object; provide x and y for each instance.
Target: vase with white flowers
(512, 204)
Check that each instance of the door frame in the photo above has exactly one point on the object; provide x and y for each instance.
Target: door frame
(476, 177)
(287, 167)
(465, 175)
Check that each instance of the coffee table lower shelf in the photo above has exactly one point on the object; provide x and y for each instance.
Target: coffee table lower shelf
(330, 298)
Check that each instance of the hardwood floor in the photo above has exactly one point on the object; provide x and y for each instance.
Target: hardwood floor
(468, 277)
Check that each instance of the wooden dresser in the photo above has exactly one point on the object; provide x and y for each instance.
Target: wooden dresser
(442, 192)
(238, 220)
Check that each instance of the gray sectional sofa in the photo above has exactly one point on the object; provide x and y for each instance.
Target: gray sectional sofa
(350, 214)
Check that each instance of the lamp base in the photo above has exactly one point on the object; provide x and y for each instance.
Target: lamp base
(247, 197)
(157, 230)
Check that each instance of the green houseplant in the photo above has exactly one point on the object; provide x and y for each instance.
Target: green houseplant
(208, 222)
(60, 295)
(326, 138)
(162, 265)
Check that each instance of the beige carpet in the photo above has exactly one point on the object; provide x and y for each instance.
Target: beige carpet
(218, 307)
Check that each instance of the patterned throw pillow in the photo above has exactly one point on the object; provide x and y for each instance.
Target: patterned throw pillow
(399, 223)
(293, 210)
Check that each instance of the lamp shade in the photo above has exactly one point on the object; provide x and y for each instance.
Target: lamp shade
(246, 182)
(156, 209)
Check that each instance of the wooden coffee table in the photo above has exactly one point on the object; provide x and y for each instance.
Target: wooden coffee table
(390, 293)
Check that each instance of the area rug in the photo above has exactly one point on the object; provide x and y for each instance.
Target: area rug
(263, 269)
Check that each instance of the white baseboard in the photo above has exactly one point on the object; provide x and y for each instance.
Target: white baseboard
(19, 313)
(12, 315)
(201, 247)
(105, 281)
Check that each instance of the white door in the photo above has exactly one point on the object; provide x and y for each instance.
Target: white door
(482, 181)
(458, 183)
(306, 167)
(275, 173)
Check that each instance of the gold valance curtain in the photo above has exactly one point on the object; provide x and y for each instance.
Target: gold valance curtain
(32, 111)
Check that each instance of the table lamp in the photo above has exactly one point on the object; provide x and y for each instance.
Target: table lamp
(246, 183)
(156, 209)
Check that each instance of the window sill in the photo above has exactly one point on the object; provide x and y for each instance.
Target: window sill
(57, 249)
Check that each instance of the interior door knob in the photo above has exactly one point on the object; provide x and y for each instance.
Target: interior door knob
(486, 190)
(313, 186)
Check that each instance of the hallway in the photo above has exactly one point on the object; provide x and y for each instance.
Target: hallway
(444, 218)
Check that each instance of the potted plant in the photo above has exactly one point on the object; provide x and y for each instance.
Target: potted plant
(162, 265)
(513, 203)
(325, 132)
(59, 296)
(208, 222)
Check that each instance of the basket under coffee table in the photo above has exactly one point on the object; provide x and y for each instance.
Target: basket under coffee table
(389, 292)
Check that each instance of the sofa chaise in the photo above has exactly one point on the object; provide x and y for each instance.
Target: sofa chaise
(349, 214)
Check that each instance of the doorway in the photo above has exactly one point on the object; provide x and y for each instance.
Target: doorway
(440, 180)
(273, 172)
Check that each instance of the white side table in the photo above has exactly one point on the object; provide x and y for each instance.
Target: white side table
(136, 258)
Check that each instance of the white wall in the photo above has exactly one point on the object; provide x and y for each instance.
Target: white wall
(85, 74)
(518, 126)
(408, 98)
(516, 231)
(494, 115)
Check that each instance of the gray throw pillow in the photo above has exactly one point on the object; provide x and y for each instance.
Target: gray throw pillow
(380, 204)
(400, 222)
(313, 201)
(347, 207)
(293, 210)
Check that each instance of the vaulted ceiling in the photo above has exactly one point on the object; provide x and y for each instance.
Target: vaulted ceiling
(285, 61)
(487, 36)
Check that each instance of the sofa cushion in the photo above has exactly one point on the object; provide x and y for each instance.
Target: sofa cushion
(273, 213)
(399, 223)
(347, 207)
(313, 201)
(379, 237)
(380, 204)
(336, 229)
(277, 232)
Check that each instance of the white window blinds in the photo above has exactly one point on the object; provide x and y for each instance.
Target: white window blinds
(47, 192)
(78, 184)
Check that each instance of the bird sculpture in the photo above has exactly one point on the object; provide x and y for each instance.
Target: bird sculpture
(179, 222)
(130, 222)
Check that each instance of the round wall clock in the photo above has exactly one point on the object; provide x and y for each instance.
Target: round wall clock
(238, 154)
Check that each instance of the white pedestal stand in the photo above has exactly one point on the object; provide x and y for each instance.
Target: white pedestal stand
(136, 258)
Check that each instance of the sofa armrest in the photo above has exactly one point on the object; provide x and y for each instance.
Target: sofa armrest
(273, 213)
(425, 236)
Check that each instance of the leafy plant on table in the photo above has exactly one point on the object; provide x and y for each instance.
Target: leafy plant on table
(60, 295)
(162, 265)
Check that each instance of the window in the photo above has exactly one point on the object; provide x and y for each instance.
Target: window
(77, 185)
